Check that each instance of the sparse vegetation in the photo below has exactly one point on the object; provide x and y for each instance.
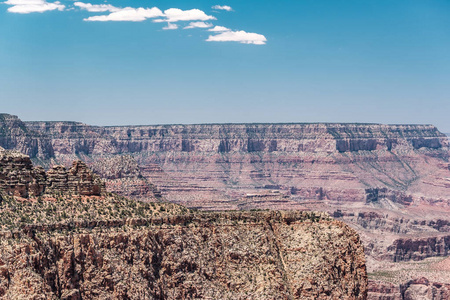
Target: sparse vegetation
(48, 210)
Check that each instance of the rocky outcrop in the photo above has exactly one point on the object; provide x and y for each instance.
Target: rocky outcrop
(18, 177)
(405, 249)
(78, 180)
(258, 255)
(422, 288)
(123, 176)
(82, 181)
(419, 288)
(379, 290)
(376, 195)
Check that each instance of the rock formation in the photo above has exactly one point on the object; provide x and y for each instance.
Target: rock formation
(78, 242)
(14, 134)
(123, 176)
(257, 255)
(419, 288)
(422, 288)
(379, 290)
(419, 248)
(18, 177)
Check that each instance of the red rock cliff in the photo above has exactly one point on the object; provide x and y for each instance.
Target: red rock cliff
(203, 165)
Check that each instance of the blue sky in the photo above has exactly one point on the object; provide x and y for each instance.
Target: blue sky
(278, 61)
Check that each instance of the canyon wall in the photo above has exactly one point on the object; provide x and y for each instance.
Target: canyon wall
(419, 248)
(210, 166)
(14, 134)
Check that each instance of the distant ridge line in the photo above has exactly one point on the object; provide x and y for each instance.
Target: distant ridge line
(221, 124)
(231, 124)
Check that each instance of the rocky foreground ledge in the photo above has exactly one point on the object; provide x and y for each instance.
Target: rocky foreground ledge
(227, 255)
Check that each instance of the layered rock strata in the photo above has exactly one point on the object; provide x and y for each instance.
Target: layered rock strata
(419, 288)
(203, 165)
(14, 134)
(209, 166)
(123, 176)
(18, 177)
(379, 290)
(419, 248)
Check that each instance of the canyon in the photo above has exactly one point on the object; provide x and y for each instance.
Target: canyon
(391, 183)
(63, 236)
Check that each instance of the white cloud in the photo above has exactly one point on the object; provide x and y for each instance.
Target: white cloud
(96, 7)
(176, 14)
(222, 7)
(129, 14)
(30, 6)
(171, 16)
(198, 25)
(219, 29)
(170, 26)
(238, 36)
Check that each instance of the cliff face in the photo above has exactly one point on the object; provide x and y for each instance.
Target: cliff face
(206, 166)
(225, 138)
(14, 134)
(419, 288)
(419, 248)
(219, 256)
